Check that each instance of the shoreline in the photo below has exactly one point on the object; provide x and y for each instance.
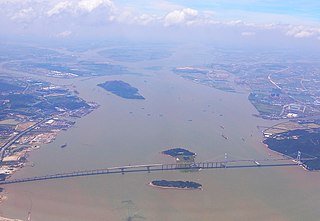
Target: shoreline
(36, 139)
(293, 160)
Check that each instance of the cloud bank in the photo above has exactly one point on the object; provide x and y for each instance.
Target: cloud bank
(73, 15)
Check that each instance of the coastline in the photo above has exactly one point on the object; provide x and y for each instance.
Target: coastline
(43, 132)
(279, 153)
(54, 134)
(297, 140)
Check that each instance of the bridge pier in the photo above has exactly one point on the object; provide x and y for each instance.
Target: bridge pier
(298, 159)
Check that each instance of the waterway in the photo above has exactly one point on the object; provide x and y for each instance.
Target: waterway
(176, 112)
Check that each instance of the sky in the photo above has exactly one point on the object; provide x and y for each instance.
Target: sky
(249, 20)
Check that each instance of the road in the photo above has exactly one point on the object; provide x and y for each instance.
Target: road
(18, 136)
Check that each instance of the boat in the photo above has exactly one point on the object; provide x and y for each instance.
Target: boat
(63, 145)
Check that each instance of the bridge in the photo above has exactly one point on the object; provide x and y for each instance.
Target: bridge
(227, 163)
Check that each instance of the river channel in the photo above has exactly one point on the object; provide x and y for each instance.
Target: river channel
(176, 112)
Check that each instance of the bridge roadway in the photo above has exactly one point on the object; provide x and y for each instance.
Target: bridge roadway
(164, 167)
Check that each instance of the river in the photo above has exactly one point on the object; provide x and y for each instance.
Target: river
(176, 112)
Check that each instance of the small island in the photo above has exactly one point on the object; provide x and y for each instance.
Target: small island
(184, 158)
(122, 89)
(166, 184)
(175, 152)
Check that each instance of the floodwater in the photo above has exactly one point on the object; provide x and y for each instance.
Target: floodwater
(176, 112)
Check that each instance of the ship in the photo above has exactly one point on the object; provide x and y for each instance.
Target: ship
(224, 136)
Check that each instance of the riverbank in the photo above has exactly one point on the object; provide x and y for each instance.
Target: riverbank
(290, 143)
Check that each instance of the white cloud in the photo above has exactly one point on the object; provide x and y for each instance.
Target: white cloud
(76, 7)
(81, 14)
(183, 16)
(58, 8)
(248, 33)
(234, 22)
(90, 5)
(64, 34)
(303, 31)
(304, 34)
(144, 19)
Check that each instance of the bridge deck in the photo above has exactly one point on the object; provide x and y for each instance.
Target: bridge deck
(164, 167)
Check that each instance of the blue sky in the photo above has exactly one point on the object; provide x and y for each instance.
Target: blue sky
(300, 9)
(297, 8)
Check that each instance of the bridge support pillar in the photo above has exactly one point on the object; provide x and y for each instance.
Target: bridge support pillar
(299, 158)
(225, 160)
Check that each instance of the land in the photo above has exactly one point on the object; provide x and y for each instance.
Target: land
(217, 78)
(186, 185)
(132, 53)
(278, 88)
(56, 63)
(175, 152)
(298, 140)
(32, 112)
(183, 157)
(290, 137)
(71, 69)
(122, 89)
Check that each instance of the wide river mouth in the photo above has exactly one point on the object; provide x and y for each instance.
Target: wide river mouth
(176, 112)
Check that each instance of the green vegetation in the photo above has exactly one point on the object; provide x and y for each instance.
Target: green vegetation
(218, 79)
(178, 152)
(176, 184)
(68, 69)
(305, 141)
(122, 89)
(35, 99)
(265, 109)
(8, 87)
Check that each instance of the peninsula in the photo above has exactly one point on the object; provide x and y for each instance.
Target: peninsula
(122, 89)
(291, 141)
